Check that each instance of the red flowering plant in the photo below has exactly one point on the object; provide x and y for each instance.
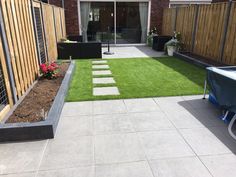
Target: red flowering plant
(49, 70)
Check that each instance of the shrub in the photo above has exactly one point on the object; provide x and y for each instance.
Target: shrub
(49, 70)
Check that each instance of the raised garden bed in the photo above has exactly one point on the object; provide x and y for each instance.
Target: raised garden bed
(197, 60)
(37, 115)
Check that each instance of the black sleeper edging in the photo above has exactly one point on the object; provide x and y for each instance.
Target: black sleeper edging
(191, 60)
(43, 129)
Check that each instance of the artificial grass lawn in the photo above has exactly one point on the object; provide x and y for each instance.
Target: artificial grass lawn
(139, 78)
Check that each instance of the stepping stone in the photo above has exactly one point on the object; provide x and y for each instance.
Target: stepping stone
(105, 80)
(100, 67)
(103, 91)
(101, 72)
(99, 62)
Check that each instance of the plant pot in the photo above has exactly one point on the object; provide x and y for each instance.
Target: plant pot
(171, 50)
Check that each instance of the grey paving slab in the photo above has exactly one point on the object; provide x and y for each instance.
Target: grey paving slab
(101, 72)
(184, 119)
(103, 91)
(21, 157)
(68, 152)
(205, 142)
(33, 174)
(75, 126)
(87, 171)
(141, 105)
(99, 62)
(100, 67)
(208, 116)
(196, 101)
(164, 144)
(117, 123)
(118, 148)
(134, 169)
(172, 104)
(179, 167)
(105, 80)
(150, 121)
(109, 107)
(132, 52)
(77, 108)
(221, 165)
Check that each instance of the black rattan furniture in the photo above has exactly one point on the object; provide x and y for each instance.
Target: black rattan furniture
(79, 50)
(159, 42)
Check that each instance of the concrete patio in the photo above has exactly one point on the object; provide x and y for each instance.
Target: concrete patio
(151, 137)
(132, 52)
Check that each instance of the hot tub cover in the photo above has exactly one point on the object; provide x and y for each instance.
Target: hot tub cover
(222, 83)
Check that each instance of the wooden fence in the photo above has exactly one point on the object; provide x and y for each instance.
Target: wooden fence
(29, 32)
(207, 30)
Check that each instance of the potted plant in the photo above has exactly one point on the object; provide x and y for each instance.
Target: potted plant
(151, 33)
(174, 44)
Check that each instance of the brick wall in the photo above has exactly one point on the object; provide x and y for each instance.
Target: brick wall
(157, 7)
(71, 13)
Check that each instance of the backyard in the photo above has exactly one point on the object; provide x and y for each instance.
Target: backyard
(139, 78)
(110, 88)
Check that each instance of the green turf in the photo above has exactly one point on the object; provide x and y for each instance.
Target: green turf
(141, 77)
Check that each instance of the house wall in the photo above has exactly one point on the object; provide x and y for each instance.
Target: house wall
(72, 21)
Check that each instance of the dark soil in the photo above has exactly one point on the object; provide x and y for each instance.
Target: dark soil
(37, 103)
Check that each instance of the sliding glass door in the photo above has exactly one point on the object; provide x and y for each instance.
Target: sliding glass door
(118, 22)
(97, 20)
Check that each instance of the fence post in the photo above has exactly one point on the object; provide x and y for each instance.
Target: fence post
(8, 58)
(194, 27)
(175, 22)
(226, 24)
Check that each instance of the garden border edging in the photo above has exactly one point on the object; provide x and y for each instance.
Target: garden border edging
(43, 129)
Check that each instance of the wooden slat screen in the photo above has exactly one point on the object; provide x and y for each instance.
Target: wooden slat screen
(209, 30)
(168, 21)
(50, 34)
(229, 56)
(185, 24)
(30, 32)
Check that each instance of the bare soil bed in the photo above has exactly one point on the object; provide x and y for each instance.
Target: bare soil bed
(37, 103)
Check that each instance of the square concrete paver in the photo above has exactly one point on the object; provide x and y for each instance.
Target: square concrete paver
(101, 72)
(179, 167)
(82, 126)
(141, 105)
(100, 67)
(21, 157)
(164, 144)
(105, 80)
(117, 123)
(103, 91)
(150, 121)
(33, 174)
(68, 152)
(77, 108)
(87, 171)
(221, 165)
(134, 169)
(99, 62)
(118, 148)
(109, 107)
(204, 142)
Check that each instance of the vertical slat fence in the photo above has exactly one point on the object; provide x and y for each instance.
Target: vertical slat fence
(205, 36)
(24, 40)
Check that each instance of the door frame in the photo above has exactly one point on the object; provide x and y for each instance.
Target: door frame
(114, 1)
